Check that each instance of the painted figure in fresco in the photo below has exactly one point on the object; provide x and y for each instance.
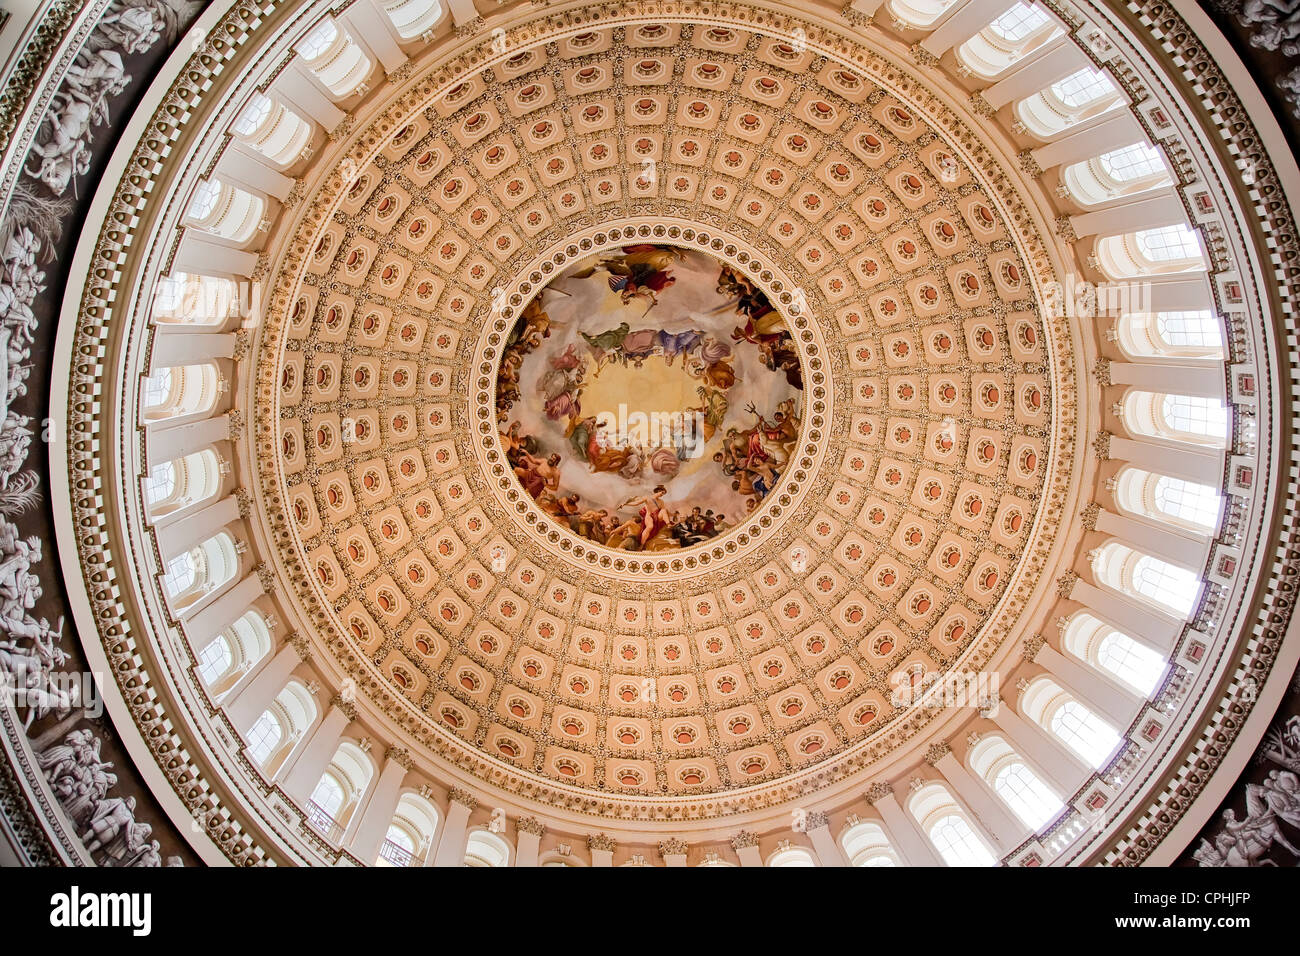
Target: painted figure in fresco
(603, 343)
(673, 344)
(640, 272)
(538, 474)
(639, 346)
(653, 516)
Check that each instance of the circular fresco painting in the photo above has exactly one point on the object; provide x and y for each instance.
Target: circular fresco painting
(649, 398)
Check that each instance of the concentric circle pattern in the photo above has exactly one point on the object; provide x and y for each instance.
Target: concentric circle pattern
(900, 530)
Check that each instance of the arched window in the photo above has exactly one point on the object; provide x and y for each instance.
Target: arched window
(1164, 250)
(190, 299)
(274, 734)
(319, 41)
(944, 821)
(273, 130)
(181, 575)
(157, 390)
(485, 848)
(233, 652)
(410, 835)
(1170, 587)
(194, 573)
(791, 856)
(1129, 163)
(1182, 418)
(160, 484)
(413, 18)
(1186, 334)
(919, 13)
(1015, 783)
(264, 737)
(1194, 415)
(957, 843)
(1081, 88)
(336, 60)
(1168, 584)
(173, 485)
(398, 848)
(1085, 733)
(1120, 172)
(865, 844)
(1054, 709)
(1184, 504)
(339, 791)
(216, 660)
(207, 194)
(1018, 23)
(1168, 243)
(180, 390)
(1097, 643)
(1006, 40)
(1031, 799)
(1081, 95)
(225, 211)
(324, 805)
(1135, 664)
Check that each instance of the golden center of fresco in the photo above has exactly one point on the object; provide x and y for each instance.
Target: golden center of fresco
(648, 398)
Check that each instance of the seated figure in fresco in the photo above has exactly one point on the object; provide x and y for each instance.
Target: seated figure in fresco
(779, 354)
(538, 474)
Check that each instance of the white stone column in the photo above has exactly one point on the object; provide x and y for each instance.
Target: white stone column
(206, 255)
(1054, 60)
(1111, 702)
(203, 627)
(1062, 770)
(1202, 379)
(828, 851)
(455, 832)
(243, 166)
(1202, 465)
(1178, 293)
(1157, 631)
(601, 848)
(1164, 208)
(368, 25)
(376, 814)
(304, 94)
(1176, 546)
(462, 11)
(1004, 830)
(964, 22)
(746, 846)
(673, 852)
(300, 779)
(173, 346)
(909, 841)
(245, 704)
(1089, 140)
(201, 525)
(528, 841)
(164, 443)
